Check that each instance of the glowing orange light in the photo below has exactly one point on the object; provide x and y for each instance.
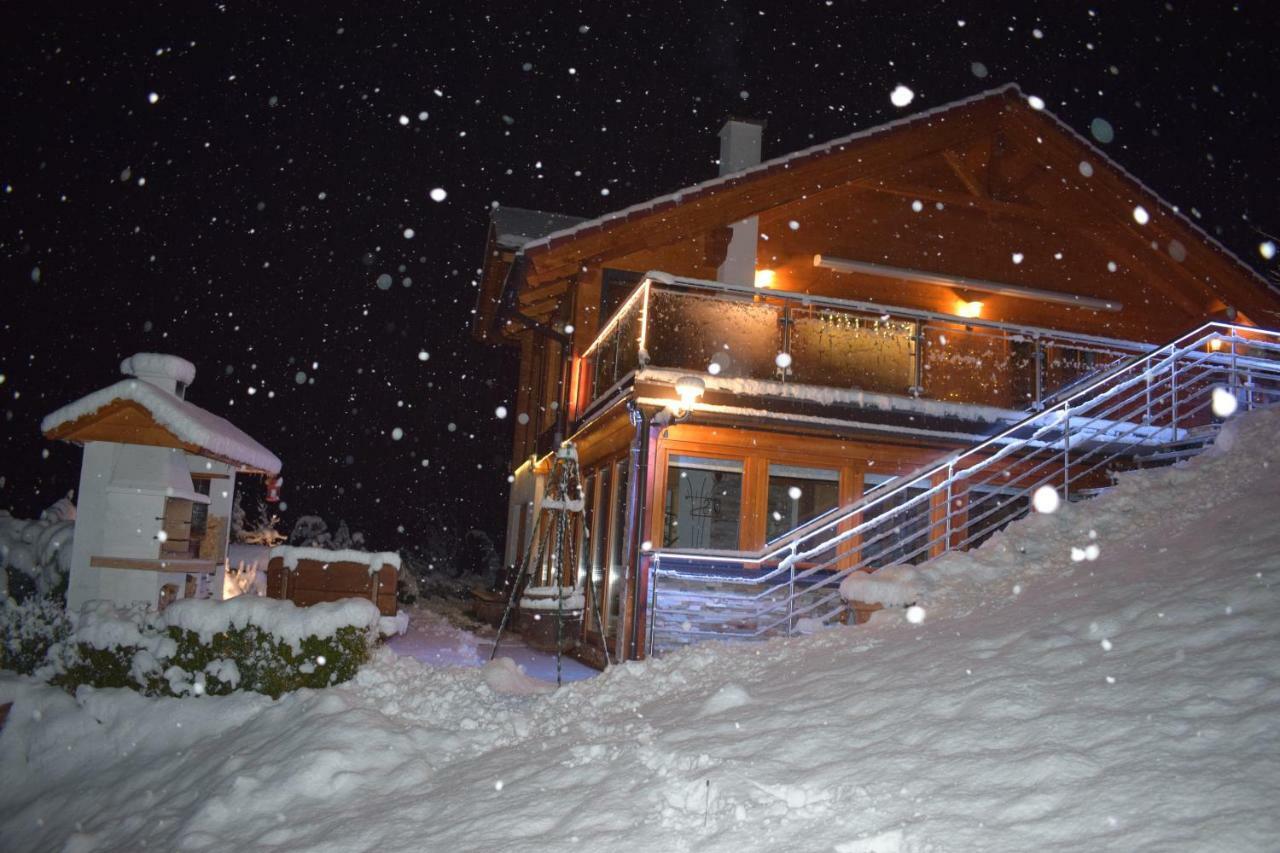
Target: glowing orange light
(966, 308)
(764, 278)
(1215, 344)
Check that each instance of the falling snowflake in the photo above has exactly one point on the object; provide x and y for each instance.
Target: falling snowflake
(901, 96)
(1046, 500)
(438, 194)
(1224, 403)
(1140, 215)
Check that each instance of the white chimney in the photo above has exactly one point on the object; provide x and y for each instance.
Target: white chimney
(170, 372)
(740, 149)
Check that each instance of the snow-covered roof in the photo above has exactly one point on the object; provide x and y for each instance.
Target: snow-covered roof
(767, 165)
(159, 364)
(189, 423)
(516, 226)
(581, 226)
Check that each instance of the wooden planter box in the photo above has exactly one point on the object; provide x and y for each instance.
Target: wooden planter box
(314, 581)
(862, 610)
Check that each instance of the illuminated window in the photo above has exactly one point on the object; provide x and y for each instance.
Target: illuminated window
(704, 502)
(797, 495)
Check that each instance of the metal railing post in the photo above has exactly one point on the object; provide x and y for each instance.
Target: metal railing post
(1037, 356)
(791, 589)
(1066, 452)
(1173, 396)
(951, 471)
(786, 340)
(1235, 379)
(917, 387)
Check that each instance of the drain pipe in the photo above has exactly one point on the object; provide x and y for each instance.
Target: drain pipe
(635, 511)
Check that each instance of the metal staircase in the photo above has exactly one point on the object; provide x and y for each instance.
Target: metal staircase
(1154, 409)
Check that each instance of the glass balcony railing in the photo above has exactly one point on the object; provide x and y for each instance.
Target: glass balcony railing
(730, 332)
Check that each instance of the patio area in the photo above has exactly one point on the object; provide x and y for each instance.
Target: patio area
(434, 640)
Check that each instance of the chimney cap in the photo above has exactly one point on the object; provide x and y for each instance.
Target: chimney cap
(758, 122)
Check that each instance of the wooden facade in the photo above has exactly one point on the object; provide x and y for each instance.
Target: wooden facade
(987, 190)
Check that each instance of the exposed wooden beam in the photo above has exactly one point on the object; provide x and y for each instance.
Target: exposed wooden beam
(972, 183)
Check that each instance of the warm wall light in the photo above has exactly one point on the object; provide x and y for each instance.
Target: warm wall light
(764, 278)
(1215, 344)
(967, 308)
(690, 389)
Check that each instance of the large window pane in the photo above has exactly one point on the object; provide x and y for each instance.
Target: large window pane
(903, 534)
(704, 500)
(990, 510)
(617, 548)
(797, 495)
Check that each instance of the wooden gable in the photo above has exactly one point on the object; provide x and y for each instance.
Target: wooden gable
(988, 188)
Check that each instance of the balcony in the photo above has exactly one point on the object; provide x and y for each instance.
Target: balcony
(819, 349)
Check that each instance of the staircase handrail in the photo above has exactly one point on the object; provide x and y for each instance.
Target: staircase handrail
(784, 549)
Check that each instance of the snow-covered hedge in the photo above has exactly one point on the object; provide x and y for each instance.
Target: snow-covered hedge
(199, 647)
(30, 631)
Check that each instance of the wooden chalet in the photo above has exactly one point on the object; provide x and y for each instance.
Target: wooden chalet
(738, 357)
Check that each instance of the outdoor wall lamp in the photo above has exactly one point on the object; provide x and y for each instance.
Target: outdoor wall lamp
(690, 389)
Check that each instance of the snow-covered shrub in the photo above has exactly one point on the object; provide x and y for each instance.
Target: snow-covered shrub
(39, 551)
(311, 531)
(199, 647)
(29, 631)
(451, 565)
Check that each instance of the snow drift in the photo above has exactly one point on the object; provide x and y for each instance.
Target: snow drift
(1126, 702)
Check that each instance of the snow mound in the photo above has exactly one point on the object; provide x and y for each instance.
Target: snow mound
(144, 364)
(892, 586)
(726, 698)
(1123, 703)
(504, 676)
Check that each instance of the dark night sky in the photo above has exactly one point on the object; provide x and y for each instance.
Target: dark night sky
(244, 218)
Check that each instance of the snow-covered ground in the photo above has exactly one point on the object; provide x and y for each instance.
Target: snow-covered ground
(1048, 701)
(433, 639)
